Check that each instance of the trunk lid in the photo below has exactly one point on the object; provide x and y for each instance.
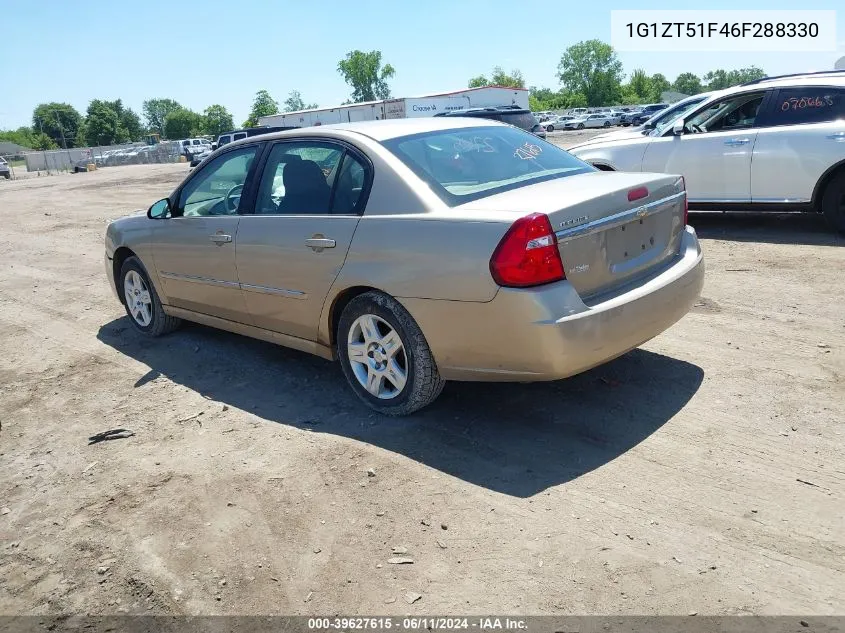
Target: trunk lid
(605, 239)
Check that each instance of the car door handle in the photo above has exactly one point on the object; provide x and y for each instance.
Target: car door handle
(839, 136)
(320, 243)
(737, 141)
(220, 238)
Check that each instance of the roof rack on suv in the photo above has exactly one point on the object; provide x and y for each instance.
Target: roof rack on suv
(808, 74)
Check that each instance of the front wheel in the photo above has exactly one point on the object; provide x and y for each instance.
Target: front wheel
(833, 202)
(141, 300)
(607, 124)
(580, 126)
(385, 357)
(550, 128)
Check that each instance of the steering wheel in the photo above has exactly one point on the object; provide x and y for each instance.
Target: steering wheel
(230, 195)
(696, 129)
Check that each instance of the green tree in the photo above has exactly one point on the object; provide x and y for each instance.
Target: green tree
(294, 102)
(659, 85)
(102, 125)
(499, 78)
(365, 75)
(688, 84)
(129, 121)
(262, 105)
(744, 75)
(216, 120)
(592, 69)
(25, 137)
(42, 141)
(59, 121)
(640, 84)
(716, 80)
(156, 111)
(182, 123)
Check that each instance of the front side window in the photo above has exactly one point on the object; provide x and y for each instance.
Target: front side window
(223, 140)
(297, 178)
(817, 104)
(734, 113)
(665, 119)
(216, 189)
(466, 164)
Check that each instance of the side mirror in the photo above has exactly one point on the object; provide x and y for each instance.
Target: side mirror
(160, 210)
(678, 127)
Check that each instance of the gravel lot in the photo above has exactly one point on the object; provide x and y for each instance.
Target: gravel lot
(702, 473)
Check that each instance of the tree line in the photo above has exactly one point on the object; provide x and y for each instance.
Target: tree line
(60, 125)
(591, 74)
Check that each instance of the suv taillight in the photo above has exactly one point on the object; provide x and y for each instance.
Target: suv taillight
(527, 255)
(686, 201)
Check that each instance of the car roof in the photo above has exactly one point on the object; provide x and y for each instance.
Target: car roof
(386, 129)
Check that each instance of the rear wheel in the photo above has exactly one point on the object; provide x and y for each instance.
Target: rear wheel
(607, 124)
(550, 128)
(833, 202)
(385, 357)
(141, 300)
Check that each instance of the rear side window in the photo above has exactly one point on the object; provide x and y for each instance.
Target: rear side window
(222, 140)
(817, 104)
(467, 164)
(240, 136)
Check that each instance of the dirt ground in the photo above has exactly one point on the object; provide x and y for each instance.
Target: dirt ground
(702, 473)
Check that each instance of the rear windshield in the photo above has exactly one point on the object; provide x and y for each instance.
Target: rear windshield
(467, 164)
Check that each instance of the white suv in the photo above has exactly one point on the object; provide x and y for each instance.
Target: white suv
(772, 144)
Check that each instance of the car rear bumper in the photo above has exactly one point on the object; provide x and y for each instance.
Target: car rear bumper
(548, 333)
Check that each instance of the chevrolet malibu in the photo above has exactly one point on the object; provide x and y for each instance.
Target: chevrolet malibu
(414, 251)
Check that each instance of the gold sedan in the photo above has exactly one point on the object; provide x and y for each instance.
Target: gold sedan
(414, 251)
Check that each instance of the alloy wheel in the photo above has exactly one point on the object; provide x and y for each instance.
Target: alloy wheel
(377, 356)
(137, 297)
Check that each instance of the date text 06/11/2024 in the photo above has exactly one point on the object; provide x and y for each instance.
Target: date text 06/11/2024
(416, 623)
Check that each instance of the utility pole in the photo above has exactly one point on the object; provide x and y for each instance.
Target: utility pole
(64, 142)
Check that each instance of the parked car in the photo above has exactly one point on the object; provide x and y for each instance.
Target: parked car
(790, 129)
(191, 146)
(557, 123)
(414, 251)
(5, 170)
(625, 119)
(589, 120)
(196, 159)
(236, 135)
(662, 118)
(512, 115)
(647, 112)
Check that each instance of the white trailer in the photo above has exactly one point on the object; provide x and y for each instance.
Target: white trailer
(408, 107)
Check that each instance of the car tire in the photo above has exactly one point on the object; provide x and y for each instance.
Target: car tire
(833, 202)
(550, 128)
(580, 126)
(607, 124)
(146, 313)
(377, 330)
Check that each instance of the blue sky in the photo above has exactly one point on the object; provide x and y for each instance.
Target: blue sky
(218, 51)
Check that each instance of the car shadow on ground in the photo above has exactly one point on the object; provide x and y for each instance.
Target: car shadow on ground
(516, 439)
(774, 228)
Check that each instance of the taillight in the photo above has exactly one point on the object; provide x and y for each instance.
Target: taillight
(527, 255)
(686, 201)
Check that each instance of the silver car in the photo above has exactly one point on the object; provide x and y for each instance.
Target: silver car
(414, 251)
